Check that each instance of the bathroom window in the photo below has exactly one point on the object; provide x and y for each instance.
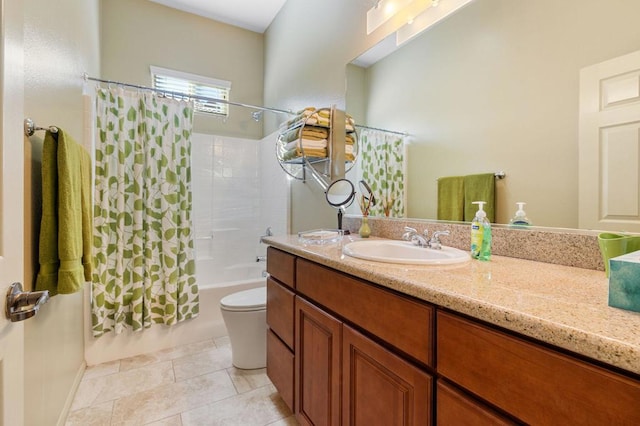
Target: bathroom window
(193, 85)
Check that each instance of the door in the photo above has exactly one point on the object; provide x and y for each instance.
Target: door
(11, 208)
(380, 388)
(609, 145)
(317, 365)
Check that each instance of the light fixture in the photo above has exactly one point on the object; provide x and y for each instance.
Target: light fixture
(438, 10)
(382, 12)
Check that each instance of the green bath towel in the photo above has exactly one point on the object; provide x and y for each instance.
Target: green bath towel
(65, 233)
(481, 187)
(451, 198)
(49, 262)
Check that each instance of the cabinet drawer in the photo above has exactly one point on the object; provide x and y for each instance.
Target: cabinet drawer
(280, 311)
(280, 364)
(401, 322)
(453, 407)
(531, 382)
(281, 266)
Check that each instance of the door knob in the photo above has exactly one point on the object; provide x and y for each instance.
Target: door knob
(21, 305)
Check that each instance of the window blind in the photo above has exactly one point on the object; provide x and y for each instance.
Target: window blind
(194, 86)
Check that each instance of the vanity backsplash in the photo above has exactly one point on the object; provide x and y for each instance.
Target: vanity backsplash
(560, 246)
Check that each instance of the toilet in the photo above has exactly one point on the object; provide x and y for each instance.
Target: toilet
(245, 316)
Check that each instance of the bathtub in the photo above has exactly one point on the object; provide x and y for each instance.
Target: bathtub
(208, 325)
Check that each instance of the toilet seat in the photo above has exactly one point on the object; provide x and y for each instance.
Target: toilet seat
(245, 301)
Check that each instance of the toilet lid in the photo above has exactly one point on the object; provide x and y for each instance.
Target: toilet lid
(247, 300)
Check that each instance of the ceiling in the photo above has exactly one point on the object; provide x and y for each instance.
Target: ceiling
(254, 15)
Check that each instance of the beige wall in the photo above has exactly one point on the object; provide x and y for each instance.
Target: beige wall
(494, 87)
(140, 33)
(306, 50)
(61, 42)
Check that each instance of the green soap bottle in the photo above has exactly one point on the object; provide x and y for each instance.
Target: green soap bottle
(480, 234)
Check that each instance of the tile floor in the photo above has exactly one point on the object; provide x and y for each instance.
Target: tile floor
(191, 385)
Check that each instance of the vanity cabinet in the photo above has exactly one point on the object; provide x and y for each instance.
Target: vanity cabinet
(532, 382)
(280, 323)
(342, 350)
(356, 359)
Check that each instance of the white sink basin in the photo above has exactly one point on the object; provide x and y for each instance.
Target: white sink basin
(391, 251)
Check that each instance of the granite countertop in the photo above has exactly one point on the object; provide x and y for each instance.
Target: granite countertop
(561, 305)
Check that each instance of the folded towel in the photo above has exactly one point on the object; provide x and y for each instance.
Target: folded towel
(349, 139)
(480, 187)
(306, 143)
(314, 117)
(308, 132)
(451, 198)
(311, 152)
(297, 152)
(65, 233)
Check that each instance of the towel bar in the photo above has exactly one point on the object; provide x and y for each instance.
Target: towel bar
(499, 175)
(30, 127)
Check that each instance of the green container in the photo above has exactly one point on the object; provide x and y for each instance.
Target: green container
(614, 245)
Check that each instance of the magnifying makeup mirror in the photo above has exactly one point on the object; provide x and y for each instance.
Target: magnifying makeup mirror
(340, 194)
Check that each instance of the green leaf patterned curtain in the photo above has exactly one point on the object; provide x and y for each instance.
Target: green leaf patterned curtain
(143, 243)
(382, 166)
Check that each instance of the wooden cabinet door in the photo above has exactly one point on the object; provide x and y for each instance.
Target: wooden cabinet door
(317, 366)
(380, 388)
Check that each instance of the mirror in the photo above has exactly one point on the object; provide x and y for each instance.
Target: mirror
(340, 193)
(495, 87)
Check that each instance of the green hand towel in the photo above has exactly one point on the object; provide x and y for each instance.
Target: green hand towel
(481, 187)
(65, 232)
(451, 198)
(70, 246)
(87, 212)
(47, 278)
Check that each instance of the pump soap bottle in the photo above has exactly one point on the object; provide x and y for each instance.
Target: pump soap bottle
(480, 234)
(520, 219)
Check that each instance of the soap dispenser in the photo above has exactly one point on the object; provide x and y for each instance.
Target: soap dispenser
(480, 234)
(520, 218)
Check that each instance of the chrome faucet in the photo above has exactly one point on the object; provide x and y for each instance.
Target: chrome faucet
(434, 242)
(411, 234)
(267, 233)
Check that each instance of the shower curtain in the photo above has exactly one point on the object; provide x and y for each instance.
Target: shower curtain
(382, 167)
(143, 243)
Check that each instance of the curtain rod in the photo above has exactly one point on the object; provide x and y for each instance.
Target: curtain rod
(222, 101)
(382, 130)
(184, 95)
